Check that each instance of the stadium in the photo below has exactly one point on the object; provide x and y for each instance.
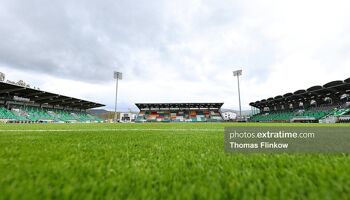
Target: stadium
(327, 104)
(22, 104)
(178, 100)
(167, 141)
(179, 112)
(318, 104)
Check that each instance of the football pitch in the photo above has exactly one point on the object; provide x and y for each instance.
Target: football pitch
(157, 161)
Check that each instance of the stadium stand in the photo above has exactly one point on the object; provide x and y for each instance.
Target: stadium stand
(179, 112)
(329, 103)
(21, 104)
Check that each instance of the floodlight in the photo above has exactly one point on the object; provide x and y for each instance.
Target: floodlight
(2, 77)
(238, 73)
(118, 75)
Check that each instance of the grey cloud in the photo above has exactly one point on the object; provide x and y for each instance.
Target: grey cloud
(74, 40)
(87, 40)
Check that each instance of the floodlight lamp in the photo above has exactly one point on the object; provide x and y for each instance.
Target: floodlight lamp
(118, 75)
(2, 77)
(237, 73)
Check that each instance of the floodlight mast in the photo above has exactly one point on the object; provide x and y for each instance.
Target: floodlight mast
(2, 77)
(117, 76)
(238, 73)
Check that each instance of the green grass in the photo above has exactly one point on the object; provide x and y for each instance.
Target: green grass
(108, 161)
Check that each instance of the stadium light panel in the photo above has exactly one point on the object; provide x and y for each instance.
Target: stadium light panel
(237, 73)
(2, 77)
(118, 75)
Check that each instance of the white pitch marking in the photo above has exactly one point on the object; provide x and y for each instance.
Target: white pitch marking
(109, 130)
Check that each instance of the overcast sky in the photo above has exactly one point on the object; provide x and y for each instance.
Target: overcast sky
(174, 51)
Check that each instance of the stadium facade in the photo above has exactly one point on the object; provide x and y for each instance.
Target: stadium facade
(21, 104)
(179, 112)
(329, 103)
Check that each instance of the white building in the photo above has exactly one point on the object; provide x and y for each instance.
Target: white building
(228, 115)
(127, 117)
